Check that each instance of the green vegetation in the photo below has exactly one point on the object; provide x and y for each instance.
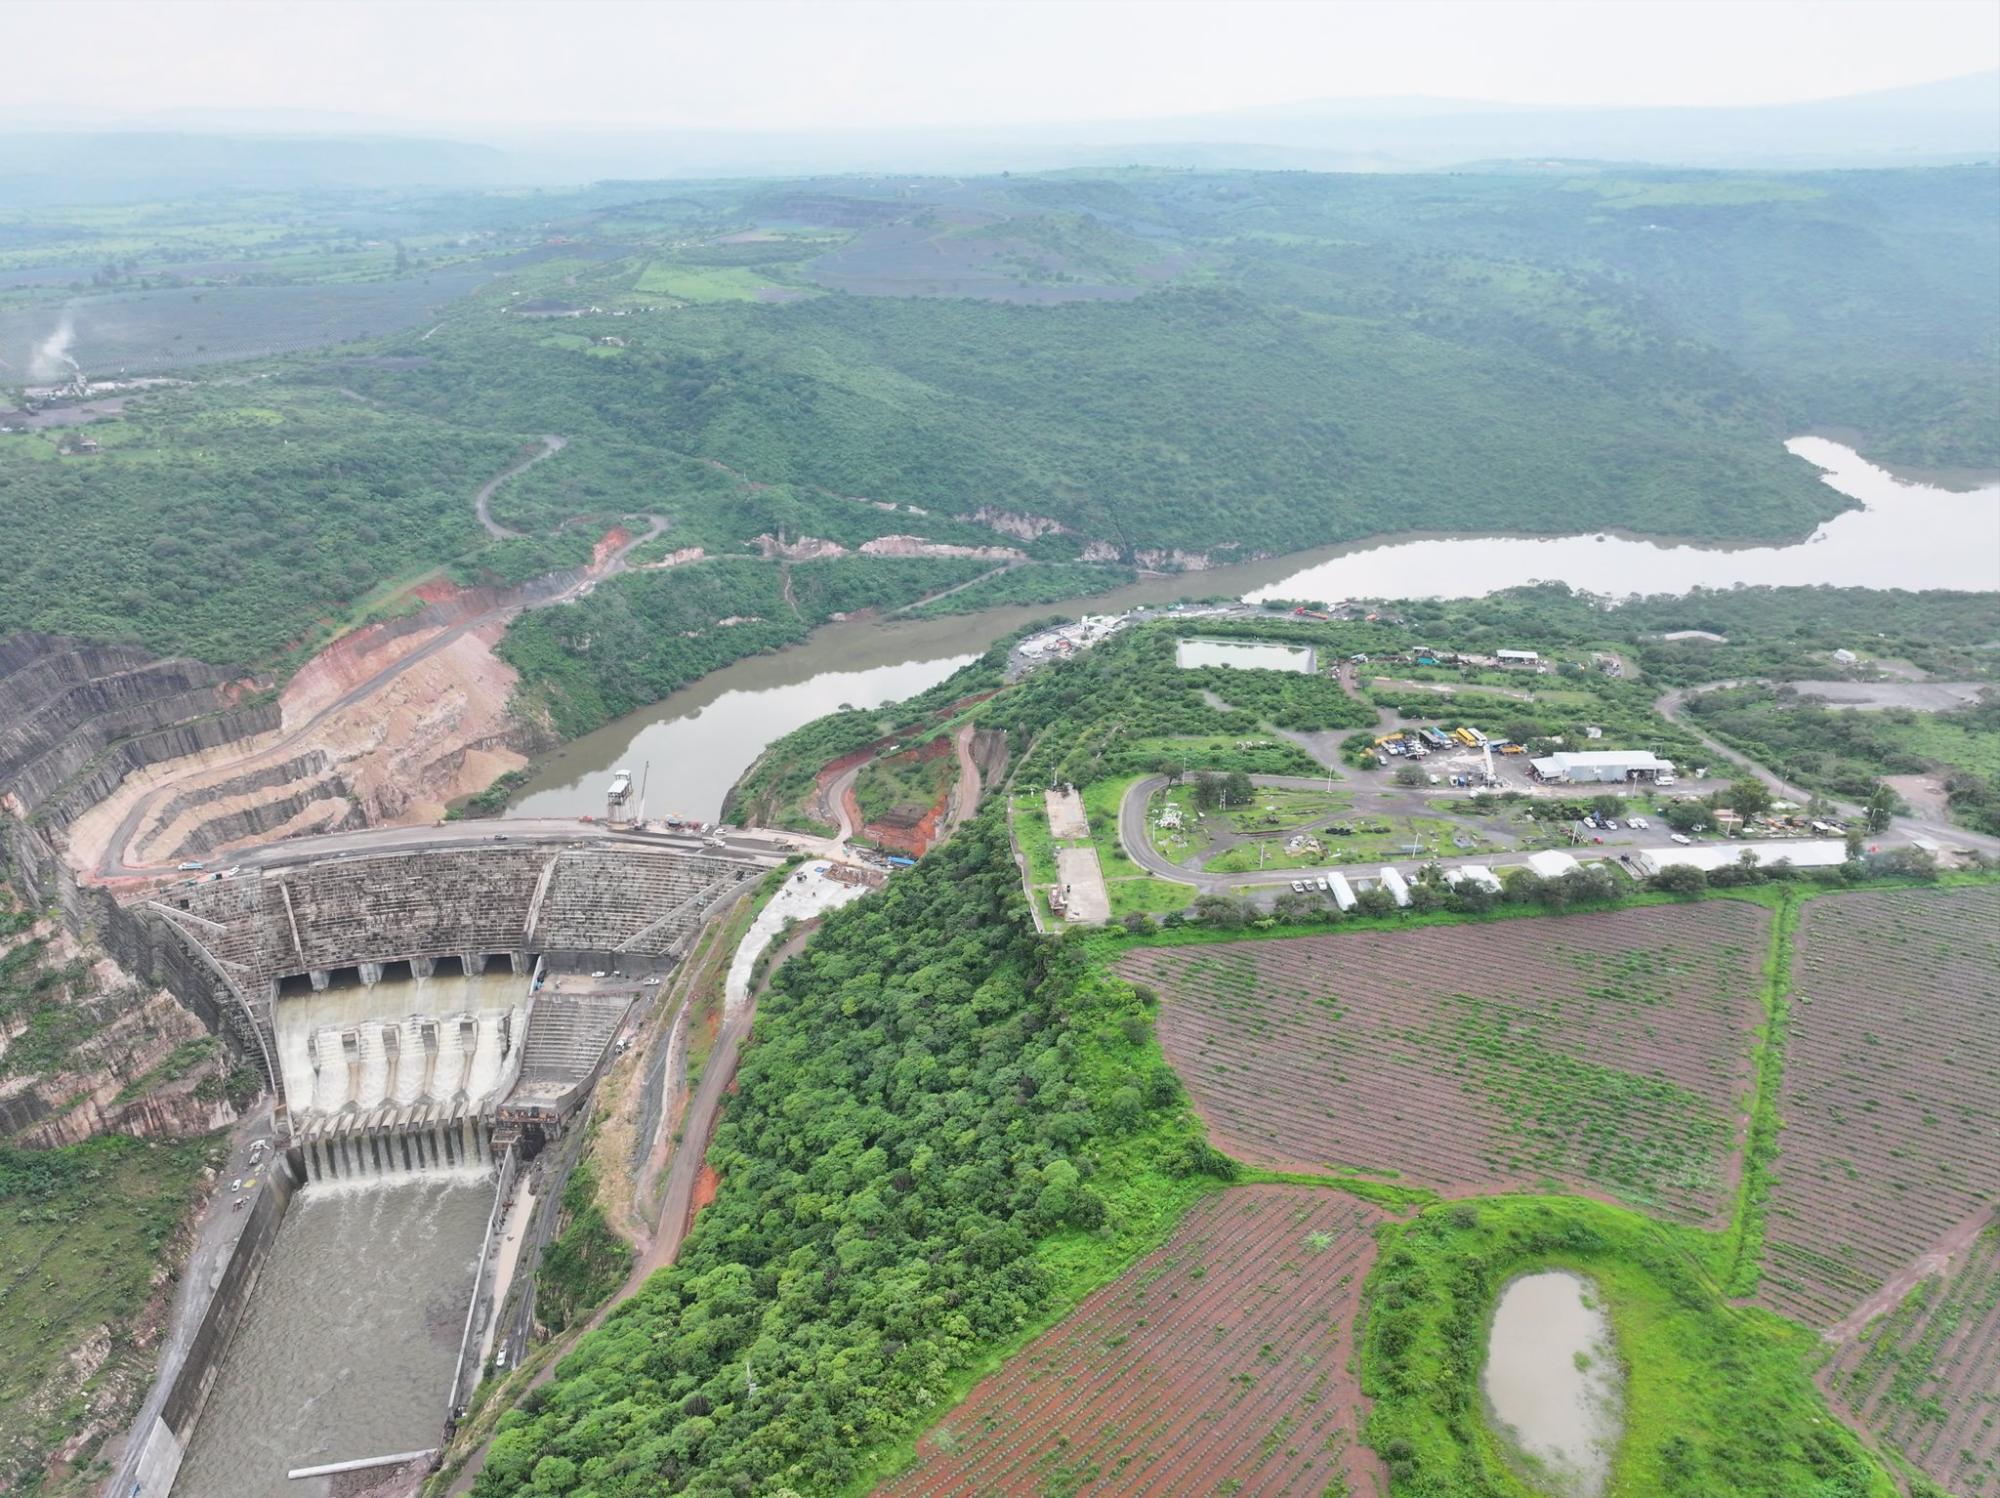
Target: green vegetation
(1030, 583)
(640, 636)
(228, 530)
(1845, 751)
(774, 790)
(585, 1262)
(83, 1232)
(947, 1131)
(1718, 1399)
(905, 783)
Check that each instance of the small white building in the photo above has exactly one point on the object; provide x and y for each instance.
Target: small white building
(1473, 873)
(1342, 891)
(1814, 853)
(1552, 863)
(1393, 882)
(1602, 766)
(1518, 657)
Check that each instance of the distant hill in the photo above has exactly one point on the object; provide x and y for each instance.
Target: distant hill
(1953, 121)
(109, 165)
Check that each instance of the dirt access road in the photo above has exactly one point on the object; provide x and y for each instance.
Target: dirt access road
(114, 864)
(1670, 705)
(551, 445)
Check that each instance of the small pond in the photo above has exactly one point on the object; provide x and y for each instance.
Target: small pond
(1552, 1383)
(1245, 655)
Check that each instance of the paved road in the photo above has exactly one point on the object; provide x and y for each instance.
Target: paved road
(551, 445)
(1670, 706)
(113, 866)
(216, 1233)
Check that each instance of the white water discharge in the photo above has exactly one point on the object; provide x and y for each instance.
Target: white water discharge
(400, 1041)
(1553, 1385)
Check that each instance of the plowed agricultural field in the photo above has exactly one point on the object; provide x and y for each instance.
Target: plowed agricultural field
(1890, 1106)
(1609, 1053)
(1220, 1363)
(1925, 1379)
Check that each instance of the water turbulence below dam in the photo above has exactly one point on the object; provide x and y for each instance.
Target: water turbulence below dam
(349, 1342)
(1552, 1383)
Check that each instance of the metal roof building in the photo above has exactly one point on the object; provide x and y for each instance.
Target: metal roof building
(1816, 853)
(1603, 766)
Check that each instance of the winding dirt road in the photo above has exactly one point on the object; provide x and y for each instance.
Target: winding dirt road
(551, 445)
(1671, 706)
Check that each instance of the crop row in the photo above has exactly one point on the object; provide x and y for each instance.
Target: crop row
(1925, 1379)
(1890, 1105)
(1224, 1357)
(1609, 1052)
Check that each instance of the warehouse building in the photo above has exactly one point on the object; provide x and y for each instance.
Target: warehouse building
(1603, 767)
(1816, 853)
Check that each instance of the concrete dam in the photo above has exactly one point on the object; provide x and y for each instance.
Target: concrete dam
(429, 1019)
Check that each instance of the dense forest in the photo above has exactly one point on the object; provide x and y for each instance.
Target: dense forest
(946, 1129)
(1142, 363)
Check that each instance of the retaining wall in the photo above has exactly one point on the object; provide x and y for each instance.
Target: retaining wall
(164, 1442)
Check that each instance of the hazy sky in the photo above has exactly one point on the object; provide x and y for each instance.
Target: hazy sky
(784, 65)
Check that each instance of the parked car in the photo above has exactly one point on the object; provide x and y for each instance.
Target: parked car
(1683, 839)
(1298, 886)
(1642, 824)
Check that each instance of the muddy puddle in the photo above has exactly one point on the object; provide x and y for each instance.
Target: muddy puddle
(1552, 1383)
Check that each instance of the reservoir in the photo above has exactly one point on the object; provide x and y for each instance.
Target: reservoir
(318, 1373)
(1552, 1384)
(700, 740)
(1244, 655)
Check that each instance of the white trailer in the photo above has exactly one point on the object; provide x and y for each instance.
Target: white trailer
(1342, 891)
(1393, 882)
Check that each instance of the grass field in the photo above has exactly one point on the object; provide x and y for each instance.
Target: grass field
(83, 1231)
(703, 283)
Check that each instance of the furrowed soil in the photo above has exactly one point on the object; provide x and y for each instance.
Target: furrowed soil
(1222, 1362)
(1925, 1379)
(1890, 1108)
(1605, 1053)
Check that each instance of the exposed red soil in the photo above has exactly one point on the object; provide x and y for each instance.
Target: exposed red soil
(1605, 1053)
(706, 1184)
(1891, 1094)
(1225, 1357)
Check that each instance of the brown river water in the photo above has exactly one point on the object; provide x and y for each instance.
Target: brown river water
(699, 741)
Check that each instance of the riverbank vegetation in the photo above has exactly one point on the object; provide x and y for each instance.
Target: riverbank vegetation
(946, 1131)
(637, 637)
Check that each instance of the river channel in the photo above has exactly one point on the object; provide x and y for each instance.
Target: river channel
(698, 741)
(318, 1373)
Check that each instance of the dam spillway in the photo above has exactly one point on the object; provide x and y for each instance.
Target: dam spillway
(399, 1075)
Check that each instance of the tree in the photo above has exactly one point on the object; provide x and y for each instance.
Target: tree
(1207, 791)
(1374, 900)
(1172, 766)
(1409, 774)
(1221, 912)
(1748, 797)
(1855, 843)
(1608, 806)
(1881, 808)
(1684, 816)
(1237, 789)
(1680, 879)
